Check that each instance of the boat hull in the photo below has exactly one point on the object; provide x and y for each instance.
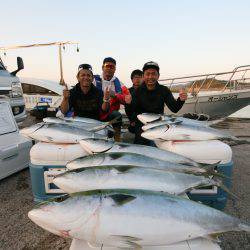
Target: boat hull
(215, 104)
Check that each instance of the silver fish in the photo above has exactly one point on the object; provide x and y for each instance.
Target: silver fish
(129, 177)
(132, 218)
(101, 145)
(92, 127)
(152, 120)
(175, 132)
(59, 133)
(132, 159)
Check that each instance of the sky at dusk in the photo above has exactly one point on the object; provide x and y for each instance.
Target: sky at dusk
(184, 37)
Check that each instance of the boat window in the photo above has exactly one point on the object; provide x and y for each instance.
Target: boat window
(33, 89)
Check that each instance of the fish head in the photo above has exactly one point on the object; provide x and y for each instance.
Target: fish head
(30, 130)
(65, 216)
(156, 132)
(93, 145)
(86, 161)
(148, 117)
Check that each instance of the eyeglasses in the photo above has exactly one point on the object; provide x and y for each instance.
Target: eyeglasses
(109, 66)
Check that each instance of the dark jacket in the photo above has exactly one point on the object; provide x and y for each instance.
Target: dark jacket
(152, 101)
(86, 105)
(128, 107)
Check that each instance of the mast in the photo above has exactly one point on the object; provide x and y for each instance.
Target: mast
(59, 44)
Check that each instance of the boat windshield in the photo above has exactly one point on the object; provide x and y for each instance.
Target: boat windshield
(1, 65)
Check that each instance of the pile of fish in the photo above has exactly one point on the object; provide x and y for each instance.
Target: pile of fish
(67, 130)
(127, 196)
(162, 127)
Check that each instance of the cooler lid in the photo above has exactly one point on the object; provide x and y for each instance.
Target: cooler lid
(201, 151)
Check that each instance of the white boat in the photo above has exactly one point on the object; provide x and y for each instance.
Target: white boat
(216, 94)
(41, 91)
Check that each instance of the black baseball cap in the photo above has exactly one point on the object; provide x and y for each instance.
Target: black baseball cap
(85, 66)
(151, 65)
(136, 72)
(109, 59)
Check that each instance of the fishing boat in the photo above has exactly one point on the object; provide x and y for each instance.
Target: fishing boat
(37, 91)
(215, 94)
(40, 91)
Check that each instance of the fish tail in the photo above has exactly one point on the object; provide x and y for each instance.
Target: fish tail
(239, 142)
(209, 166)
(215, 173)
(211, 170)
(210, 123)
(100, 127)
(115, 120)
(227, 190)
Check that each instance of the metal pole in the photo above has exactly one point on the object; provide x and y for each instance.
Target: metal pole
(62, 82)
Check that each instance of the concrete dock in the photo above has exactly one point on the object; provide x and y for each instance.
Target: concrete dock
(18, 232)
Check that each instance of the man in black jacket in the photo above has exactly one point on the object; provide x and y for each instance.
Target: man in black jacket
(84, 98)
(136, 78)
(150, 97)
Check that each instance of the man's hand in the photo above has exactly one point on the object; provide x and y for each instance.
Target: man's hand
(66, 93)
(183, 94)
(106, 95)
(128, 99)
(112, 93)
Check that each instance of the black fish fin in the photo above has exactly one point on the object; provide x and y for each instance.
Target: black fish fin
(177, 122)
(123, 169)
(121, 199)
(128, 241)
(213, 237)
(115, 156)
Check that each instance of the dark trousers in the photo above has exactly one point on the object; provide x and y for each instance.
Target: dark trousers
(115, 115)
(140, 140)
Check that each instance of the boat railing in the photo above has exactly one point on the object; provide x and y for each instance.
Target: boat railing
(239, 78)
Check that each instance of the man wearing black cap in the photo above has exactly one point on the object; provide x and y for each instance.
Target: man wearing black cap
(84, 98)
(150, 97)
(118, 92)
(136, 78)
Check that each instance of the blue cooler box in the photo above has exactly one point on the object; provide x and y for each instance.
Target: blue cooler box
(42, 181)
(46, 161)
(215, 197)
(209, 152)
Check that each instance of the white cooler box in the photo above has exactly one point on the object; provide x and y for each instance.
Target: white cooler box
(46, 161)
(206, 152)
